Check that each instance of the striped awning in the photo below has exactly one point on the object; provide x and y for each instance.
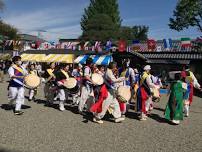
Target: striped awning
(63, 58)
(97, 59)
(102, 60)
(81, 59)
(33, 57)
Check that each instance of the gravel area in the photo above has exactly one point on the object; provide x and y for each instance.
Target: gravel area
(46, 129)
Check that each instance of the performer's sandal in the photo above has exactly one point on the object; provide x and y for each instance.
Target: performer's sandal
(18, 112)
(98, 121)
(117, 120)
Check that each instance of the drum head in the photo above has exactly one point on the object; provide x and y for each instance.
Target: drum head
(124, 93)
(32, 81)
(70, 83)
(97, 79)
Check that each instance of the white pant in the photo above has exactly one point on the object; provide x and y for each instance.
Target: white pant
(87, 96)
(148, 103)
(61, 95)
(32, 93)
(76, 98)
(110, 102)
(16, 95)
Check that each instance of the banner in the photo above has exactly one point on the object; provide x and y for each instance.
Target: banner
(122, 46)
(151, 44)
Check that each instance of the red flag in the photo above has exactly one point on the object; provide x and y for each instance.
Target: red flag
(151, 44)
(122, 46)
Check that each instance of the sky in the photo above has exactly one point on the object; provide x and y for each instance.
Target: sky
(61, 18)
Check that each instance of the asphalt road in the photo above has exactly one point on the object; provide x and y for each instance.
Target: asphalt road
(45, 129)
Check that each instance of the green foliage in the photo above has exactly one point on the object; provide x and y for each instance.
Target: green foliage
(187, 13)
(134, 33)
(101, 20)
(100, 27)
(8, 30)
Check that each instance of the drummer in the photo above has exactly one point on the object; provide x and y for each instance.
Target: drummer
(61, 75)
(49, 83)
(32, 92)
(87, 93)
(110, 103)
(129, 74)
(144, 93)
(16, 85)
(77, 73)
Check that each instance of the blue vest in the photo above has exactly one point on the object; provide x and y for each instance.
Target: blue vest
(14, 83)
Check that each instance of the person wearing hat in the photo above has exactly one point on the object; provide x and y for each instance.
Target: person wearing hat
(110, 102)
(60, 76)
(87, 93)
(192, 82)
(128, 73)
(144, 93)
(16, 85)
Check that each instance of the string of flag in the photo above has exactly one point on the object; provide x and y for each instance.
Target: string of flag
(121, 45)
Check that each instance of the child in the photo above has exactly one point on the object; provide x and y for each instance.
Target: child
(174, 108)
(32, 92)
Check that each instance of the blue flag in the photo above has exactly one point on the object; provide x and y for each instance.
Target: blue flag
(108, 45)
(167, 43)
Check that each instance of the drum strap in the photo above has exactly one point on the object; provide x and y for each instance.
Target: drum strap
(18, 68)
(19, 82)
(65, 73)
(50, 72)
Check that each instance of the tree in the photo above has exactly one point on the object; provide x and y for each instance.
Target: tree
(134, 33)
(104, 13)
(8, 30)
(100, 27)
(187, 13)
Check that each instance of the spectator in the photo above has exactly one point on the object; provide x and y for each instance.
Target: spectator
(2, 67)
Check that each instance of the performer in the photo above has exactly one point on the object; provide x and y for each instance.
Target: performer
(61, 75)
(49, 88)
(188, 80)
(77, 74)
(32, 92)
(187, 73)
(174, 108)
(144, 93)
(16, 85)
(101, 70)
(87, 93)
(136, 86)
(129, 74)
(107, 99)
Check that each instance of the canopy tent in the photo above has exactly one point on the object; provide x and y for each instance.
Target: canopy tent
(33, 57)
(63, 58)
(97, 59)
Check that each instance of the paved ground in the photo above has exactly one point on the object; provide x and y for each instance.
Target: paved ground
(45, 129)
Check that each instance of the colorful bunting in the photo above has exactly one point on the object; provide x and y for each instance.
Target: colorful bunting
(185, 42)
(122, 46)
(151, 44)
